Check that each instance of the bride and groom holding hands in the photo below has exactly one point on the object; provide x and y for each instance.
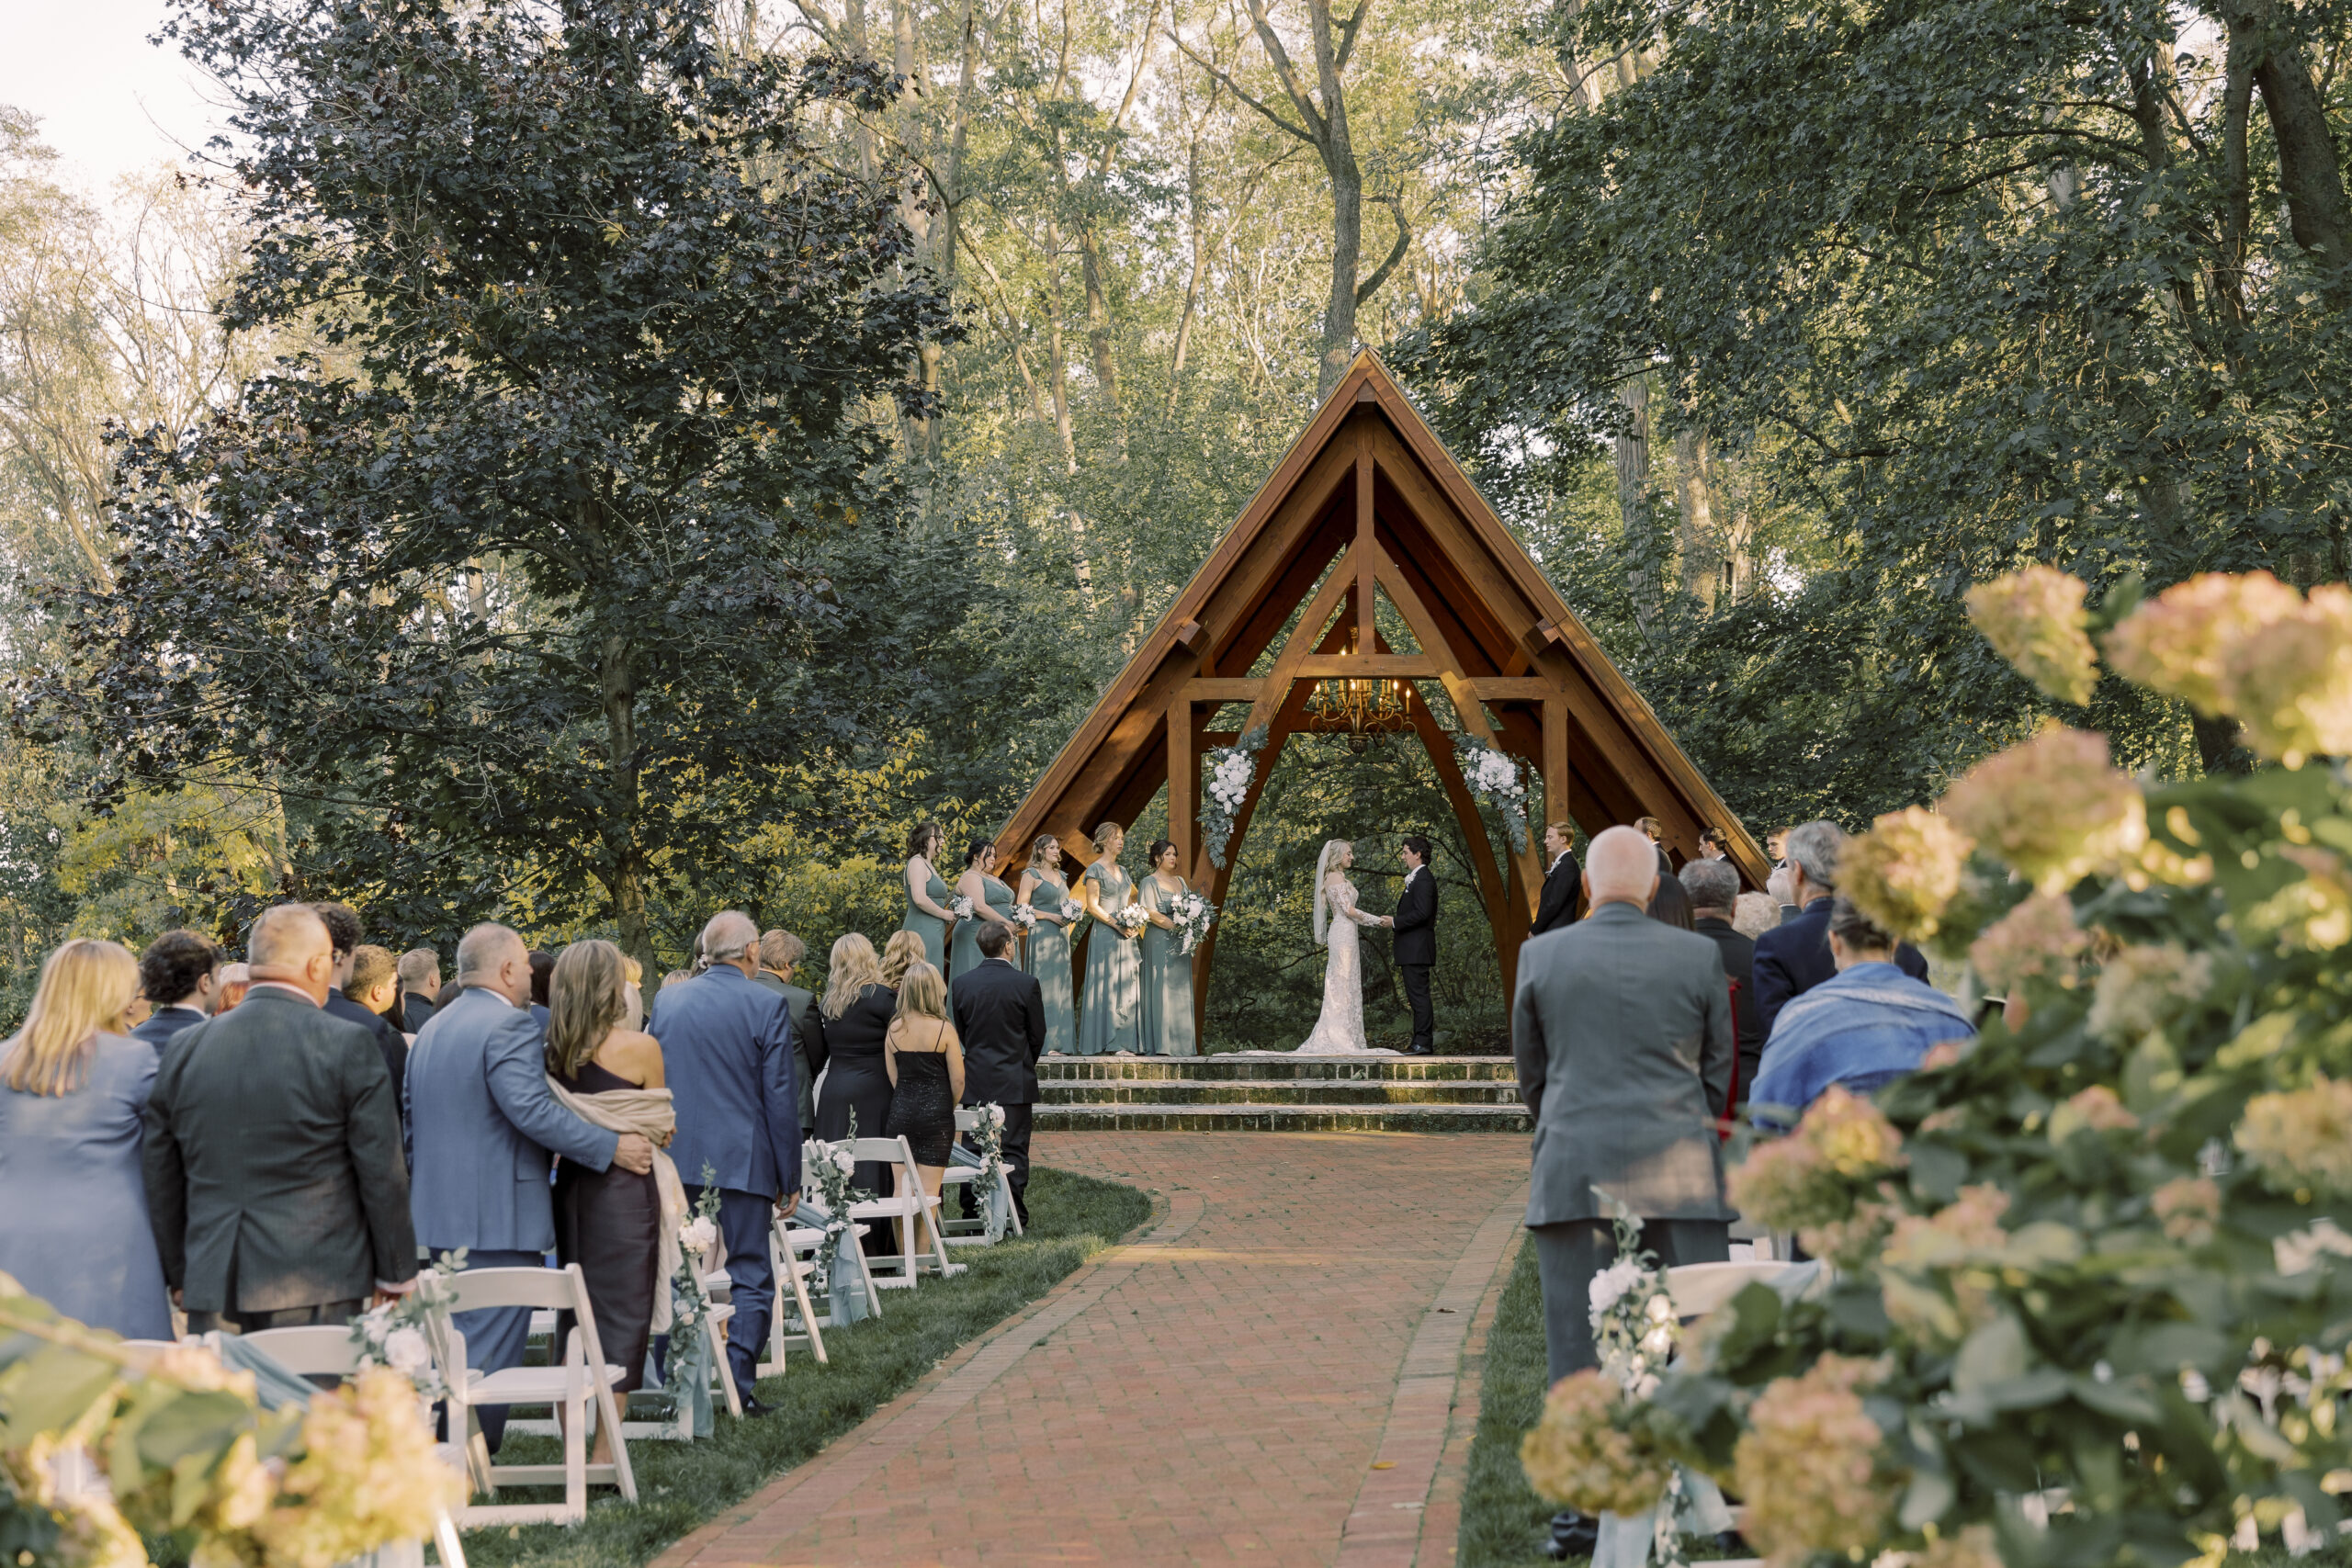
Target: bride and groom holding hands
(1337, 921)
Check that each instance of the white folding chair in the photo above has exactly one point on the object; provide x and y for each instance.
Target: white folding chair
(908, 1202)
(324, 1351)
(1699, 1289)
(974, 1232)
(581, 1379)
(786, 1242)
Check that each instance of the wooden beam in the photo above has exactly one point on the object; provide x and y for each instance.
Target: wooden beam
(1184, 780)
(1366, 666)
(1367, 620)
(1555, 761)
(1303, 639)
(1513, 688)
(1222, 691)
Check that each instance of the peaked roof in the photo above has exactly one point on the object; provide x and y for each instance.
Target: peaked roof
(1369, 482)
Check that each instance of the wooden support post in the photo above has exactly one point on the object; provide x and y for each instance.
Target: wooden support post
(1183, 779)
(1555, 761)
(1367, 623)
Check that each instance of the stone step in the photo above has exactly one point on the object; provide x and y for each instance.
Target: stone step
(1283, 1069)
(1264, 1118)
(1309, 1091)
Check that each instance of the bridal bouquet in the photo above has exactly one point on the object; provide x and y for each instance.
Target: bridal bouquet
(1498, 781)
(959, 906)
(1193, 915)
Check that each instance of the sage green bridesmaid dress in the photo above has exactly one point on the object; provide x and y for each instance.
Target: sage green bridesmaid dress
(1047, 956)
(968, 933)
(1166, 984)
(1111, 1007)
(930, 928)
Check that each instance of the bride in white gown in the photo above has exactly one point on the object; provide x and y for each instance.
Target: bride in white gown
(1340, 1031)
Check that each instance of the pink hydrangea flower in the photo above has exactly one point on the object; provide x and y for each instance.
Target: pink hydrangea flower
(1810, 1464)
(2289, 681)
(1578, 1455)
(2177, 642)
(2035, 619)
(2037, 937)
(2054, 808)
(2189, 1207)
(1904, 870)
(2302, 1138)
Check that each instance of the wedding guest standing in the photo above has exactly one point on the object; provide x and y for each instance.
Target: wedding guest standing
(274, 1183)
(73, 1226)
(420, 988)
(236, 979)
(1563, 880)
(991, 903)
(1714, 887)
(345, 932)
(780, 954)
(857, 1010)
(614, 1222)
(925, 1059)
(1166, 1022)
(903, 950)
(1047, 953)
(927, 895)
(728, 1047)
(1001, 1017)
(179, 973)
(1795, 957)
(1110, 1018)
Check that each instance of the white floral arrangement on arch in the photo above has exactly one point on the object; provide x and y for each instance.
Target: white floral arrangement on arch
(1232, 770)
(1193, 915)
(1498, 781)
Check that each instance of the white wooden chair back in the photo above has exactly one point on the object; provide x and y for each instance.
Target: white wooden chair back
(1700, 1288)
(309, 1352)
(975, 1233)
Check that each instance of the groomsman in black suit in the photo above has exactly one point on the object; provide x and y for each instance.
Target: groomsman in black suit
(1001, 1017)
(1562, 881)
(1416, 924)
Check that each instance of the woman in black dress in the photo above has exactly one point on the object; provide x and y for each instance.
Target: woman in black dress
(857, 1009)
(608, 1221)
(926, 1063)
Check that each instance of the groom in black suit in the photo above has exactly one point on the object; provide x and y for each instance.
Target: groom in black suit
(1001, 1017)
(1416, 923)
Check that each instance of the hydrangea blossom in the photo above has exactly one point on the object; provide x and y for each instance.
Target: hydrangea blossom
(2179, 642)
(2302, 1138)
(2035, 619)
(2037, 937)
(1577, 1454)
(2289, 681)
(1809, 1464)
(2054, 808)
(1904, 870)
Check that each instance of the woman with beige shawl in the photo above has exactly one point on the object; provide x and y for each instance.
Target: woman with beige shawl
(622, 1229)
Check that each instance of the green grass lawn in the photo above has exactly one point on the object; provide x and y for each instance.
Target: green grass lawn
(1504, 1524)
(679, 1486)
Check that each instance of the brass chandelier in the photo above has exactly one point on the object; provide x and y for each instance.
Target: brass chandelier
(1362, 708)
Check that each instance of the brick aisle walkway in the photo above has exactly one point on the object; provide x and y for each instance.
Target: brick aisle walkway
(1265, 1377)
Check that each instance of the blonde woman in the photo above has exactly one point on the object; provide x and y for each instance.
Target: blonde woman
(904, 948)
(858, 1007)
(620, 1227)
(1110, 1018)
(925, 1059)
(73, 1226)
(1047, 953)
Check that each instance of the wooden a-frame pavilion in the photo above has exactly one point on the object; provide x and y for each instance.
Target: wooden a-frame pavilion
(1368, 486)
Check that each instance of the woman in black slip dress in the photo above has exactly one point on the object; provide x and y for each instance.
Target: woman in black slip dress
(608, 1221)
(856, 1007)
(926, 1063)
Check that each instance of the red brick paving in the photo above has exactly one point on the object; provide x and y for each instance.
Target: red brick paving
(1216, 1393)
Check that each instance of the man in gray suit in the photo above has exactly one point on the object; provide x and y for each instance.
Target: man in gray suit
(480, 1124)
(272, 1156)
(1621, 1028)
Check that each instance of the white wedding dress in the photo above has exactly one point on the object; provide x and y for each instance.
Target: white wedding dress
(1340, 1031)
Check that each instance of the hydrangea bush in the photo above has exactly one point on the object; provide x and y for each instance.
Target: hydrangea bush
(2087, 1303)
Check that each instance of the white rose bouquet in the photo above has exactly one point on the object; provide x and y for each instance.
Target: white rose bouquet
(393, 1335)
(832, 1165)
(1193, 915)
(959, 906)
(1130, 918)
(1025, 916)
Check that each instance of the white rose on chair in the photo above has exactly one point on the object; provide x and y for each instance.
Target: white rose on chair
(406, 1352)
(844, 1159)
(698, 1236)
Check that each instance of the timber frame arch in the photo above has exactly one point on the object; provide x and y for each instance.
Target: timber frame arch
(1368, 486)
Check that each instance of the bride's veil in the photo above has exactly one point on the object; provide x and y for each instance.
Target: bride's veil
(1331, 847)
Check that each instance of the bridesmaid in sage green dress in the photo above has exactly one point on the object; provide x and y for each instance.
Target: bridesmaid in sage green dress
(992, 900)
(1047, 954)
(1110, 1017)
(1167, 973)
(927, 896)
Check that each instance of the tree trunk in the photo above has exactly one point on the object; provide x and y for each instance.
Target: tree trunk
(1638, 526)
(1200, 257)
(1700, 548)
(1347, 252)
(2310, 175)
(625, 862)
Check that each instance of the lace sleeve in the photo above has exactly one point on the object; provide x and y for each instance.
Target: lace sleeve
(1343, 894)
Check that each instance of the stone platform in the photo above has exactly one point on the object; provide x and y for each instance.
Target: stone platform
(1280, 1094)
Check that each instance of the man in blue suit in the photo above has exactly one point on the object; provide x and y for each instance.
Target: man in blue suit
(1794, 957)
(481, 1125)
(726, 1052)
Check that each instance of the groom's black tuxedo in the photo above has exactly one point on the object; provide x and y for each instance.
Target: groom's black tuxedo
(1416, 923)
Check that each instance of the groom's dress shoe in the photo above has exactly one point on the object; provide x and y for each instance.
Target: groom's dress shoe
(1421, 1051)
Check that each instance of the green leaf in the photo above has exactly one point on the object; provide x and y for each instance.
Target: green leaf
(204, 1422)
(52, 1389)
(1926, 1499)
(1992, 1356)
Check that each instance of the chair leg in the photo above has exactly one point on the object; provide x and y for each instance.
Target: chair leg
(808, 1312)
(445, 1538)
(873, 1292)
(575, 1454)
(938, 1238)
(621, 1471)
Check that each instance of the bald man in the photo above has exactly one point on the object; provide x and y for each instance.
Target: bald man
(1621, 1028)
(274, 1182)
(727, 1054)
